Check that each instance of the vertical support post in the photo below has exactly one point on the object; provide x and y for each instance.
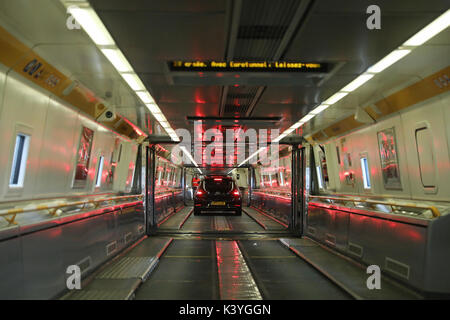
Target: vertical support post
(183, 181)
(294, 189)
(297, 191)
(251, 175)
(150, 189)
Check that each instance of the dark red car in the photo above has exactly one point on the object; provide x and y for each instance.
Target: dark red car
(217, 194)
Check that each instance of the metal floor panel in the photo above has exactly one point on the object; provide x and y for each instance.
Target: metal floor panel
(221, 224)
(348, 273)
(281, 277)
(119, 279)
(106, 289)
(235, 279)
(175, 221)
(130, 267)
(187, 271)
(269, 223)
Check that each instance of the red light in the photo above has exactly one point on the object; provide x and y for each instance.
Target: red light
(236, 193)
(217, 179)
(200, 192)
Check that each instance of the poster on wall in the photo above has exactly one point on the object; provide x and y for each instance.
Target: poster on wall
(83, 158)
(389, 161)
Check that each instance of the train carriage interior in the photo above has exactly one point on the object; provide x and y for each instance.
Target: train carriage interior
(224, 150)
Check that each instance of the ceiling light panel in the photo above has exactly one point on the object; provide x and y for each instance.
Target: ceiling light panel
(358, 82)
(438, 25)
(118, 60)
(335, 98)
(92, 24)
(389, 60)
(133, 81)
(145, 97)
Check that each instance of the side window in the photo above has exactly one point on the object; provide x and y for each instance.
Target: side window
(98, 178)
(321, 169)
(319, 176)
(426, 157)
(83, 158)
(19, 163)
(365, 172)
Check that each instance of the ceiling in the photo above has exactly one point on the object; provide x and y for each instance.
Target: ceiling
(150, 33)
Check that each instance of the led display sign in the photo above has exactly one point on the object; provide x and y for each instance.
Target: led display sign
(248, 66)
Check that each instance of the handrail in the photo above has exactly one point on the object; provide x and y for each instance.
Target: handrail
(5, 213)
(433, 209)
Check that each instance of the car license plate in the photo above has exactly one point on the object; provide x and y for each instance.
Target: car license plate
(218, 203)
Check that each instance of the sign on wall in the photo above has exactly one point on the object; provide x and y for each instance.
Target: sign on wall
(389, 160)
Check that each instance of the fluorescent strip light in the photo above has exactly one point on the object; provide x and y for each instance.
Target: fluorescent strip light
(441, 23)
(280, 137)
(288, 131)
(118, 60)
(319, 109)
(160, 117)
(145, 97)
(389, 60)
(154, 109)
(358, 82)
(165, 124)
(188, 154)
(335, 98)
(92, 24)
(307, 117)
(295, 125)
(133, 81)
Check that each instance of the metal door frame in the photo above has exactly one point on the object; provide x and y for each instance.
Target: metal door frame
(150, 189)
(297, 190)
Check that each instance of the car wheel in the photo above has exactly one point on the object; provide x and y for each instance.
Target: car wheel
(196, 212)
(239, 212)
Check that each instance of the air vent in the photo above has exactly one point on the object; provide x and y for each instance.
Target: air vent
(128, 237)
(239, 99)
(85, 264)
(261, 32)
(397, 267)
(111, 248)
(311, 231)
(355, 249)
(330, 239)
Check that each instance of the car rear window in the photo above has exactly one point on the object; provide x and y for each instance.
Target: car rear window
(221, 185)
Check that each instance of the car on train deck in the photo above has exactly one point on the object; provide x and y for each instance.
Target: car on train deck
(217, 194)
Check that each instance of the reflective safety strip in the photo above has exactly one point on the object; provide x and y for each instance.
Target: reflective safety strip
(235, 279)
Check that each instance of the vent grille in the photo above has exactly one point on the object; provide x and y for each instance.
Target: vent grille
(85, 264)
(330, 239)
(239, 100)
(311, 230)
(355, 249)
(111, 248)
(128, 237)
(261, 32)
(397, 267)
(263, 24)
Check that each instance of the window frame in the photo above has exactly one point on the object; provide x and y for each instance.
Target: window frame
(20, 168)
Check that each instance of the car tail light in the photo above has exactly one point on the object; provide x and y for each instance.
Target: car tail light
(236, 193)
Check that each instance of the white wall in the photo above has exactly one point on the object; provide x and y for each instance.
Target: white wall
(55, 130)
(433, 112)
